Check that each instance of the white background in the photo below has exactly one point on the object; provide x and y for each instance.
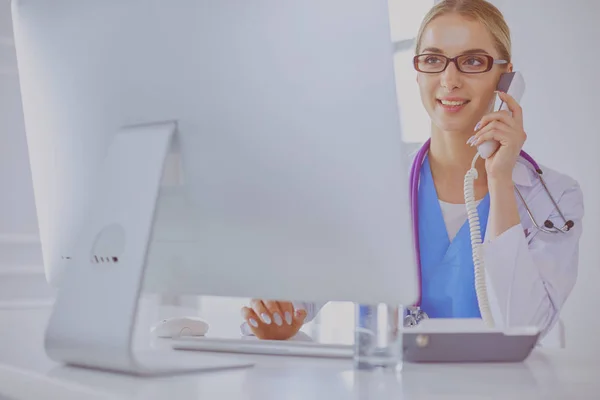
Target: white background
(554, 46)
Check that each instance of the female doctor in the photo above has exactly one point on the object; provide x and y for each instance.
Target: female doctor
(463, 47)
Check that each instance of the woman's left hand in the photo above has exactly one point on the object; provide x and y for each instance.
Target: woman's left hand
(506, 129)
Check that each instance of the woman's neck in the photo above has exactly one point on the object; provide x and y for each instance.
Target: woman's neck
(450, 158)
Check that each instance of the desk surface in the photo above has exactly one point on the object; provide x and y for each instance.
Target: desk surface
(26, 373)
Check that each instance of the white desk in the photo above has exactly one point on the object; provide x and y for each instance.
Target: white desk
(26, 373)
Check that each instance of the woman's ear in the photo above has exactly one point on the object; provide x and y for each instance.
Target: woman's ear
(510, 67)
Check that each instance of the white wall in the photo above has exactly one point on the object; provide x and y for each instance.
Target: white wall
(555, 45)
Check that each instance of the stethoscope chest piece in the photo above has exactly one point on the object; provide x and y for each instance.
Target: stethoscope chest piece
(414, 317)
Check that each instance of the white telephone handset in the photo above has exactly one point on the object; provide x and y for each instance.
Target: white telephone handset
(513, 84)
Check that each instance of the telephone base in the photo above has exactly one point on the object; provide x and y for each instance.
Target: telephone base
(467, 340)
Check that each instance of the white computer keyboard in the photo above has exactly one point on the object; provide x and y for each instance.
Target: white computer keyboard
(268, 347)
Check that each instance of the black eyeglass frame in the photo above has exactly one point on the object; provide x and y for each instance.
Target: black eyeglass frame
(490, 64)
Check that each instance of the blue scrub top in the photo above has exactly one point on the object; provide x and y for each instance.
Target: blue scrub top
(447, 269)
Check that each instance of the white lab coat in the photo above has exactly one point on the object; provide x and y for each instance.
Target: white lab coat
(529, 273)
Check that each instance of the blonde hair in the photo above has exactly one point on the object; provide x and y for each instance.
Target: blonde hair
(475, 10)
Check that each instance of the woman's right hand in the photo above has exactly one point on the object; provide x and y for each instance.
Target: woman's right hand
(273, 320)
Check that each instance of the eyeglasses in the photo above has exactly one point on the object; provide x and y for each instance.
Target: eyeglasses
(467, 63)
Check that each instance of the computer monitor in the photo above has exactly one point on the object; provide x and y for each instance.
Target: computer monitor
(294, 171)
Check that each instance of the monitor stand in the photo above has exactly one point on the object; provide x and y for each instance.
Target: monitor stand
(94, 315)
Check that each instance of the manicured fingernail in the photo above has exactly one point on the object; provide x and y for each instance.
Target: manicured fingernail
(253, 322)
(471, 139)
(266, 318)
(477, 126)
(277, 319)
(288, 317)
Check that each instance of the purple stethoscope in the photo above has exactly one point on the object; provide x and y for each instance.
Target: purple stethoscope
(415, 314)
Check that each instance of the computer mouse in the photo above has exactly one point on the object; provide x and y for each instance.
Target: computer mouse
(180, 326)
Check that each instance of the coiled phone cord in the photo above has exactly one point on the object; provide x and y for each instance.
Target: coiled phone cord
(476, 244)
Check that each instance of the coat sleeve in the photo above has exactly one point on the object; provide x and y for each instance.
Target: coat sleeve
(312, 309)
(529, 277)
